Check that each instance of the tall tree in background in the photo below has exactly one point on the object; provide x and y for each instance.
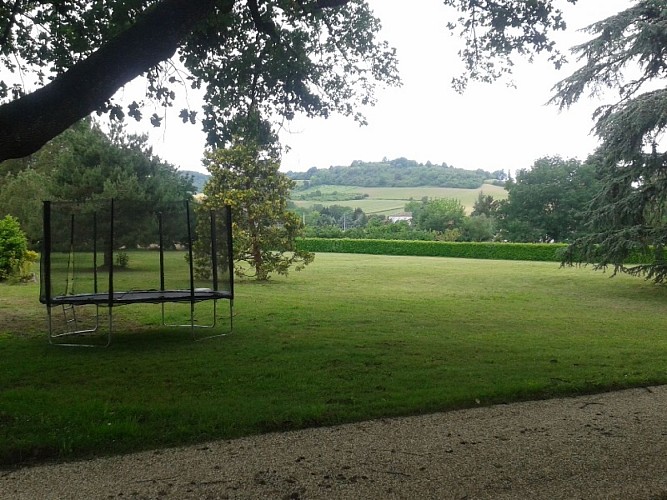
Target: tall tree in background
(245, 176)
(546, 202)
(442, 215)
(85, 164)
(316, 57)
(485, 205)
(627, 217)
(21, 196)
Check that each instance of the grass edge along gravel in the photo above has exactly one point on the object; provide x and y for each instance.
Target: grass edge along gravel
(350, 338)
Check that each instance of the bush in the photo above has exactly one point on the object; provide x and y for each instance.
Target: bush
(122, 260)
(13, 247)
(30, 258)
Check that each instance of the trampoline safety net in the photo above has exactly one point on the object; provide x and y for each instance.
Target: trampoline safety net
(116, 252)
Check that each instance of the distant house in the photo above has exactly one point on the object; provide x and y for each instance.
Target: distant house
(406, 216)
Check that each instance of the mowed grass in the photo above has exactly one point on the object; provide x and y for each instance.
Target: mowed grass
(350, 338)
(391, 200)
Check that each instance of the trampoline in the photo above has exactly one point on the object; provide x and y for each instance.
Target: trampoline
(104, 254)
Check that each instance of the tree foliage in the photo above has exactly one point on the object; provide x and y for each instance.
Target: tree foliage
(21, 196)
(627, 54)
(89, 164)
(443, 216)
(278, 57)
(13, 247)
(485, 205)
(85, 164)
(496, 31)
(478, 228)
(399, 172)
(546, 202)
(246, 177)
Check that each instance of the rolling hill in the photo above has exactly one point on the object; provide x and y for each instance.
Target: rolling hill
(388, 200)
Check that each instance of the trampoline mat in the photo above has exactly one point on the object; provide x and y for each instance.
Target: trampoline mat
(139, 297)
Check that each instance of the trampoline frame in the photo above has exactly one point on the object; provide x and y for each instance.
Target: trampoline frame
(110, 299)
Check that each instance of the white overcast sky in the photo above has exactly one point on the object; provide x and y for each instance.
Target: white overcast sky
(489, 126)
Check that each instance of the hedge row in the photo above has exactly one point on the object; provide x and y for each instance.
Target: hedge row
(548, 252)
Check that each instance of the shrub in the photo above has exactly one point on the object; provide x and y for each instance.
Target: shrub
(25, 271)
(13, 247)
(122, 260)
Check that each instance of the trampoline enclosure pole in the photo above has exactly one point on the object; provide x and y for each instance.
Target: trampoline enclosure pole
(110, 250)
(230, 250)
(71, 264)
(190, 253)
(191, 263)
(46, 253)
(95, 288)
(161, 241)
(214, 250)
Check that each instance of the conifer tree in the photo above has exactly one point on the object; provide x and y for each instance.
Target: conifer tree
(627, 228)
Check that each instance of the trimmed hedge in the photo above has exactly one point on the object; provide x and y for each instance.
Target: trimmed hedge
(547, 252)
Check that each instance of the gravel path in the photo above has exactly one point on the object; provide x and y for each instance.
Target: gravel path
(604, 446)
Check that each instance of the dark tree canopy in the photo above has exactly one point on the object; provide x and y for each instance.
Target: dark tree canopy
(85, 164)
(626, 221)
(545, 203)
(276, 57)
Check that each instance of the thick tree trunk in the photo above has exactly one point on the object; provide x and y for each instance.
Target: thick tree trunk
(28, 123)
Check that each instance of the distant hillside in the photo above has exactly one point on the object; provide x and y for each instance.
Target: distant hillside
(198, 179)
(388, 200)
(400, 172)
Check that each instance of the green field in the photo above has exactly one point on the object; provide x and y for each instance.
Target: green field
(388, 200)
(350, 338)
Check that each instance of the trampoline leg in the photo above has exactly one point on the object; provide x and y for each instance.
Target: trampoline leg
(192, 320)
(215, 313)
(194, 327)
(48, 314)
(215, 322)
(72, 319)
(110, 327)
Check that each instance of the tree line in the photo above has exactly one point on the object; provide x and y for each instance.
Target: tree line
(546, 203)
(399, 172)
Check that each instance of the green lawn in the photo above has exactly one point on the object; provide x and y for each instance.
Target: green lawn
(390, 200)
(352, 337)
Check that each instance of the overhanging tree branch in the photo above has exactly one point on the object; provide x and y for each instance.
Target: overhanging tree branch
(321, 5)
(10, 21)
(153, 36)
(262, 25)
(327, 4)
(28, 123)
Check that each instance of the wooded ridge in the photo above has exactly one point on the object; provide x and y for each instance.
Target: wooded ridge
(399, 172)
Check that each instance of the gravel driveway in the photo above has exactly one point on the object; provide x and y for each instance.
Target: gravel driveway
(605, 446)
